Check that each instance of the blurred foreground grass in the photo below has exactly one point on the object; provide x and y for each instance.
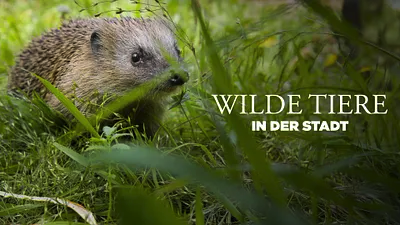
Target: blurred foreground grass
(203, 167)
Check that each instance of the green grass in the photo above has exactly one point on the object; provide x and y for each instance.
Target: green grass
(203, 167)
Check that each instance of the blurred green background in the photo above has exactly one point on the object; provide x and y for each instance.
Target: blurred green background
(203, 167)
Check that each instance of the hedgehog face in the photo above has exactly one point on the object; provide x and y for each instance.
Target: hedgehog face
(144, 50)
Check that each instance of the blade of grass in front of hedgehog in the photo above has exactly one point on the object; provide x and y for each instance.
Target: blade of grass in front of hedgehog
(131, 96)
(69, 105)
(263, 175)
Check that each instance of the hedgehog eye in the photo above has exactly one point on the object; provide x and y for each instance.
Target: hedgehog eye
(136, 57)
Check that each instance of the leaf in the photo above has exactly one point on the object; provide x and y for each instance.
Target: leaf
(330, 60)
(81, 159)
(365, 69)
(72, 154)
(108, 131)
(269, 42)
(136, 206)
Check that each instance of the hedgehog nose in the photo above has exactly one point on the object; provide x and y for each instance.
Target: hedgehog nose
(176, 80)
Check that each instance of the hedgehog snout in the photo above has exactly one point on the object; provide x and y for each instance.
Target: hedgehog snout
(178, 77)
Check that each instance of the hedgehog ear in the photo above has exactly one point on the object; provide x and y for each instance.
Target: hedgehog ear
(95, 42)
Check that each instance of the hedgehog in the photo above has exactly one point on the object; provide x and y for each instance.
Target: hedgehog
(87, 59)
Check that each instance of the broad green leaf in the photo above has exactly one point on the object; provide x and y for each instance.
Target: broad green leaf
(136, 206)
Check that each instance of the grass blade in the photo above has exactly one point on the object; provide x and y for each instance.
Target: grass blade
(70, 106)
(263, 176)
